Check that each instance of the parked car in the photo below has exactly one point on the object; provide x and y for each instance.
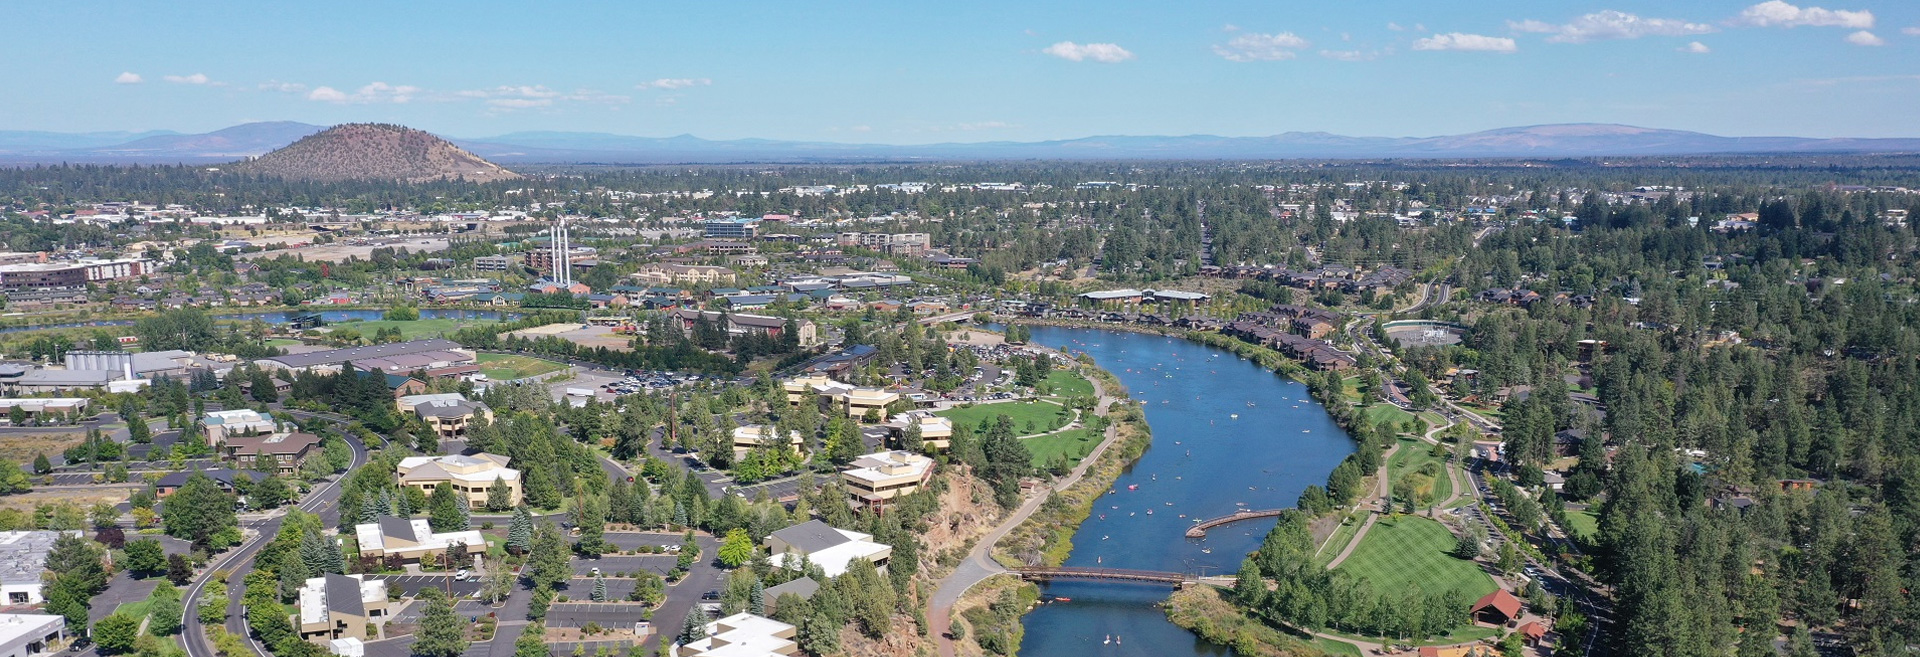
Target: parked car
(461, 576)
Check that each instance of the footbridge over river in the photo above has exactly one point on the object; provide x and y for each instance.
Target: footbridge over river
(1049, 573)
(1199, 529)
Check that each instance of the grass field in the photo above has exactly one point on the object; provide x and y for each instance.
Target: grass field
(1350, 389)
(1333, 647)
(1342, 535)
(22, 447)
(414, 330)
(1068, 384)
(1388, 412)
(1044, 416)
(283, 342)
(1075, 444)
(1583, 523)
(505, 367)
(137, 610)
(1404, 552)
(1416, 456)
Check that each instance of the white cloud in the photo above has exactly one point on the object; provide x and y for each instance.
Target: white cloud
(520, 103)
(1610, 24)
(675, 83)
(1262, 47)
(1778, 13)
(128, 77)
(1350, 55)
(1395, 27)
(283, 87)
(327, 95)
(1466, 42)
(1910, 31)
(984, 125)
(376, 92)
(1696, 48)
(1105, 53)
(197, 78)
(1865, 38)
(510, 91)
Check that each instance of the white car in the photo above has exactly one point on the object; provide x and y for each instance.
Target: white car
(462, 575)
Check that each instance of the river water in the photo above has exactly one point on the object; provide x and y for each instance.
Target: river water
(1204, 462)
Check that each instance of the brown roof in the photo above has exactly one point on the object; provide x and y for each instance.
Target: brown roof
(1533, 630)
(1499, 600)
(292, 443)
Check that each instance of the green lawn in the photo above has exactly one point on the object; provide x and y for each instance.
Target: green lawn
(506, 367)
(1350, 389)
(496, 545)
(1068, 384)
(1403, 552)
(1342, 535)
(1044, 416)
(1333, 647)
(1388, 412)
(414, 330)
(1583, 523)
(137, 610)
(1416, 456)
(283, 342)
(1075, 444)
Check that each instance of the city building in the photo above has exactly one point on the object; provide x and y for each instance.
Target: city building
(831, 548)
(742, 324)
(411, 539)
(492, 263)
(936, 432)
(31, 635)
(447, 414)
(436, 357)
(69, 275)
(732, 228)
(238, 422)
(666, 273)
(222, 477)
(288, 450)
(38, 406)
(340, 607)
(472, 476)
(754, 435)
(860, 402)
(875, 480)
(742, 635)
(23, 557)
(900, 244)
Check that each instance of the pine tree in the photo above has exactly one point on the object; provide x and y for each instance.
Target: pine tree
(441, 633)
(694, 628)
(520, 531)
(313, 553)
(599, 588)
(757, 598)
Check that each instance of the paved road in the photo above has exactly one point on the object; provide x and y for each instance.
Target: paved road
(706, 575)
(240, 562)
(979, 564)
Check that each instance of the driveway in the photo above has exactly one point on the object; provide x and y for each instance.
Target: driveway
(609, 565)
(410, 585)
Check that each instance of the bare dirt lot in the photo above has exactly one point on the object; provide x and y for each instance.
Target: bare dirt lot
(358, 248)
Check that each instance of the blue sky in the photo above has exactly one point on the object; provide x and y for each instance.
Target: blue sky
(893, 72)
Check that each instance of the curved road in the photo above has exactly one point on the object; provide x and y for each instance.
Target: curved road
(979, 564)
(239, 562)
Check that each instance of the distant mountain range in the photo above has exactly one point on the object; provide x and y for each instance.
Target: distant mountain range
(1541, 141)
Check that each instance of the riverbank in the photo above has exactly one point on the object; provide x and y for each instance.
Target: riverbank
(1046, 538)
(1205, 611)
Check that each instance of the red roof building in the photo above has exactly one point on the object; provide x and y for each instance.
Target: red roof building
(1496, 608)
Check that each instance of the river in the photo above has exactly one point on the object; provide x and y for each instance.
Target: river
(1204, 462)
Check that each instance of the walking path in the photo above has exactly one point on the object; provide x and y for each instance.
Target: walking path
(1382, 488)
(979, 564)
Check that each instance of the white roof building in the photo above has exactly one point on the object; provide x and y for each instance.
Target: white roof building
(412, 538)
(832, 548)
(30, 635)
(743, 635)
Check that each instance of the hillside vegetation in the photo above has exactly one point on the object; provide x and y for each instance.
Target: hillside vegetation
(375, 151)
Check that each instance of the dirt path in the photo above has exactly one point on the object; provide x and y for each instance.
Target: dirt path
(979, 564)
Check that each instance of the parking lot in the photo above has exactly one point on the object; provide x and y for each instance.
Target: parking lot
(610, 566)
(607, 614)
(410, 585)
